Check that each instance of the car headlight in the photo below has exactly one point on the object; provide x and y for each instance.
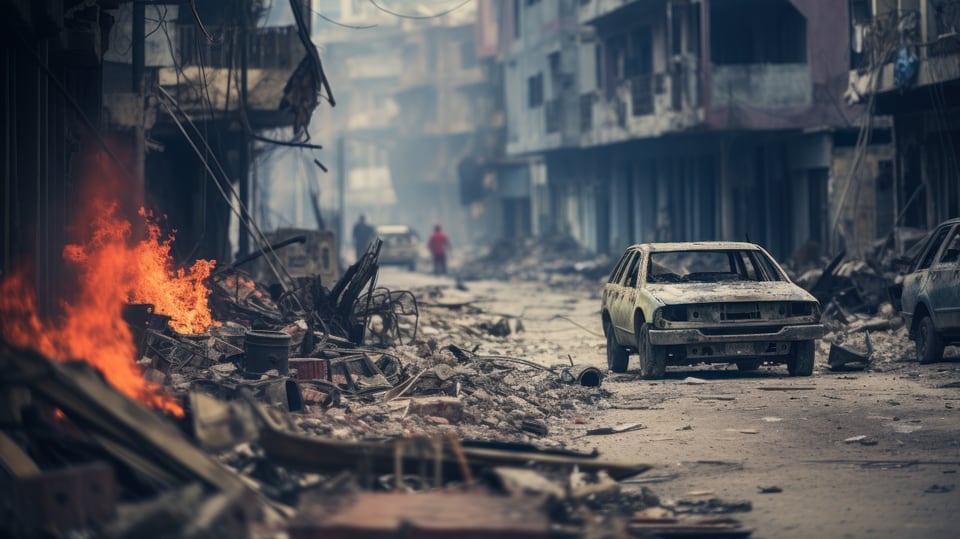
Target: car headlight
(658, 320)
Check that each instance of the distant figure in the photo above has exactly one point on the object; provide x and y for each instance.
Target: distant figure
(438, 244)
(362, 234)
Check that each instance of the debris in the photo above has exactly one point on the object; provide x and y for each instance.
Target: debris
(786, 388)
(265, 351)
(534, 426)
(430, 514)
(690, 380)
(939, 489)
(450, 408)
(712, 506)
(841, 358)
(854, 439)
(770, 490)
(582, 374)
(615, 430)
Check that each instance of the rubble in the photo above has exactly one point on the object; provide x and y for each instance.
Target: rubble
(304, 394)
(557, 261)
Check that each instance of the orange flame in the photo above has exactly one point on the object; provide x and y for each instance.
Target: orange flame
(110, 272)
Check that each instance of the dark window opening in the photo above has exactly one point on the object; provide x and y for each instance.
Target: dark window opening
(757, 32)
(554, 115)
(535, 91)
(516, 18)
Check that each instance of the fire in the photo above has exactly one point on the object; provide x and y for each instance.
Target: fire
(110, 272)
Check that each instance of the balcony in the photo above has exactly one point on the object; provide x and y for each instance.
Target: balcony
(935, 41)
(643, 106)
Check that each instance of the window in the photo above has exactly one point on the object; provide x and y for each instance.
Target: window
(951, 253)
(535, 91)
(757, 32)
(553, 59)
(618, 270)
(532, 2)
(516, 18)
(631, 276)
(932, 248)
(710, 267)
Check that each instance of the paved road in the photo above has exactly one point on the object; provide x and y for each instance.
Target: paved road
(729, 433)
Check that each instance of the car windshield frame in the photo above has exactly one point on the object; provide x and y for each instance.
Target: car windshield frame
(752, 265)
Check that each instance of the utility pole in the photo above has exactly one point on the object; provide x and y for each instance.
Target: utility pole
(136, 86)
(243, 242)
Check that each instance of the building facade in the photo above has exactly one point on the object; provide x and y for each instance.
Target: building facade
(908, 67)
(686, 120)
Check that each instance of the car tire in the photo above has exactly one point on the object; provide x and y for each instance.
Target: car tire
(617, 357)
(748, 365)
(653, 359)
(801, 364)
(929, 342)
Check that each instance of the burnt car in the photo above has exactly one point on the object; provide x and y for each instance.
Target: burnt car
(706, 302)
(930, 293)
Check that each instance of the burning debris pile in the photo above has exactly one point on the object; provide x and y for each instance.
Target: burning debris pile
(293, 410)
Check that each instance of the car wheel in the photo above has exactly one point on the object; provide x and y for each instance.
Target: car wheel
(801, 364)
(929, 342)
(748, 365)
(653, 359)
(617, 357)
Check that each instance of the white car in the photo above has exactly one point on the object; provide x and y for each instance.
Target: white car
(706, 302)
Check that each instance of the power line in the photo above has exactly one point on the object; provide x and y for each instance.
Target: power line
(406, 16)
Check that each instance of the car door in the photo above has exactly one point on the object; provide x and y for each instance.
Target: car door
(612, 287)
(943, 286)
(626, 299)
(917, 282)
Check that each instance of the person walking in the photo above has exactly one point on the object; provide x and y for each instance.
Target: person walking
(438, 245)
(362, 234)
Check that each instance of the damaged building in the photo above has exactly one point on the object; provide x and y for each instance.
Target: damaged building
(909, 69)
(414, 93)
(687, 120)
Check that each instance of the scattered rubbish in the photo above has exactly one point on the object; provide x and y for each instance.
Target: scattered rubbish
(690, 380)
(855, 439)
(939, 489)
(615, 430)
(770, 490)
(771, 419)
(844, 358)
(786, 388)
(712, 506)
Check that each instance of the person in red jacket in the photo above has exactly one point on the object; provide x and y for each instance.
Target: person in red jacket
(438, 245)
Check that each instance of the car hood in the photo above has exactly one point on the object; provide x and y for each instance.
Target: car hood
(676, 294)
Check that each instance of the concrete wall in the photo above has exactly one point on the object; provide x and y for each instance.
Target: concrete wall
(762, 85)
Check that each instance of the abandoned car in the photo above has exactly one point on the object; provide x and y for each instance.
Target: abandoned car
(706, 302)
(930, 294)
(400, 246)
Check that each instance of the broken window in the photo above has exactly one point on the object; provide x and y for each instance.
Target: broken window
(932, 249)
(757, 32)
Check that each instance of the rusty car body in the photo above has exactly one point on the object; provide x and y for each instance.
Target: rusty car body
(930, 294)
(706, 302)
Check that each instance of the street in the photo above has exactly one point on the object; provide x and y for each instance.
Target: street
(715, 432)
